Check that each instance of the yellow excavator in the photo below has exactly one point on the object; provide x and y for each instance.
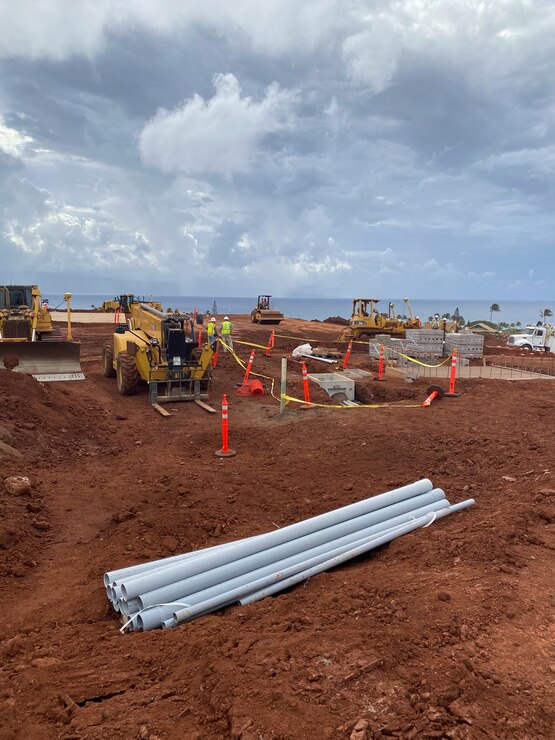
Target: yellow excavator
(160, 350)
(28, 341)
(366, 321)
(413, 322)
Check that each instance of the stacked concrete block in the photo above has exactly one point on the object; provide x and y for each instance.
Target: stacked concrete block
(428, 344)
(388, 341)
(403, 363)
(425, 340)
(468, 345)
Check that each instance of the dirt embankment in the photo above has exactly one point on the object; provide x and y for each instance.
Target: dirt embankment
(443, 633)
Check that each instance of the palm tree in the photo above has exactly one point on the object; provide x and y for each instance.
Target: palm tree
(494, 308)
(546, 313)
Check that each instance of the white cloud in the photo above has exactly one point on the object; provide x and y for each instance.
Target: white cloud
(12, 142)
(55, 29)
(330, 187)
(494, 44)
(221, 135)
(60, 29)
(490, 41)
(371, 56)
(310, 263)
(539, 160)
(79, 238)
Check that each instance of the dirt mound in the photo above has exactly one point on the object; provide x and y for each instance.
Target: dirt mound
(24, 531)
(439, 634)
(336, 320)
(46, 422)
(390, 391)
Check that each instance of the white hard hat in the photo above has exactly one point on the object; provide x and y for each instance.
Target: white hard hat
(212, 319)
(226, 318)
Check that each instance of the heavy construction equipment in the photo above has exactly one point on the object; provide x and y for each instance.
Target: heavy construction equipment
(28, 341)
(413, 322)
(264, 313)
(123, 303)
(366, 321)
(160, 350)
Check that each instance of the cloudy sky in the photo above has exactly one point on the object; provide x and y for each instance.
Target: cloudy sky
(298, 147)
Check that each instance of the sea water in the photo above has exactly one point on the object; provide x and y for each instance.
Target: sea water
(527, 312)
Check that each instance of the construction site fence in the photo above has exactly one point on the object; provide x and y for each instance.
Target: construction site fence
(492, 368)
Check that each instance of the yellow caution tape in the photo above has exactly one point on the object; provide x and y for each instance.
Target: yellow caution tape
(360, 406)
(313, 339)
(419, 362)
(287, 398)
(252, 372)
(367, 343)
(250, 344)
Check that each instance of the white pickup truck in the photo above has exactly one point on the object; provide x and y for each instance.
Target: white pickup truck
(537, 337)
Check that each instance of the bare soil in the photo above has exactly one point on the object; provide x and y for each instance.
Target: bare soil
(446, 632)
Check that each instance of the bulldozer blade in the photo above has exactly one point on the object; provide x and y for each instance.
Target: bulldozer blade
(46, 361)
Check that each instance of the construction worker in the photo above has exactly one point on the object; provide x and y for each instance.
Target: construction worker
(227, 339)
(212, 330)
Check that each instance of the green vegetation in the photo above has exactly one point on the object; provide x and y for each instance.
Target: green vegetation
(494, 308)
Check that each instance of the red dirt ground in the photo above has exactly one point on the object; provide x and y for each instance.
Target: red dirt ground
(443, 633)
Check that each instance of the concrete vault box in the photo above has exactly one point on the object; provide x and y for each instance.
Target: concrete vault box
(334, 383)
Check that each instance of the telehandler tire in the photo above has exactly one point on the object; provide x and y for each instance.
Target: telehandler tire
(108, 361)
(127, 374)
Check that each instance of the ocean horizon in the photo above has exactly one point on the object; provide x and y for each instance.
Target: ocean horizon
(527, 312)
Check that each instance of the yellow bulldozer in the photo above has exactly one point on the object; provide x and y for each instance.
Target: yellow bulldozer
(123, 303)
(29, 343)
(366, 321)
(263, 313)
(160, 350)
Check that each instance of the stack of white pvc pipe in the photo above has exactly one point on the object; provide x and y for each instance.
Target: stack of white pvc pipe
(167, 592)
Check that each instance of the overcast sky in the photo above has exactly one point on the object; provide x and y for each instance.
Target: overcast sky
(297, 147)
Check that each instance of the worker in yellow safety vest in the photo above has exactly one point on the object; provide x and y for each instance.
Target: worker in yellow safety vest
(212, 330)
(226, 328)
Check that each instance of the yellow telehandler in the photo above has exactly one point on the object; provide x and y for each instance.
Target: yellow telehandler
(160, 350)
(28, 341)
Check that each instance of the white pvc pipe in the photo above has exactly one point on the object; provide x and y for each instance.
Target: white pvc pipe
(287, 583)
(181, 570)
(322, 552)
(309, 568)
(113, 576)
(273, 557)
